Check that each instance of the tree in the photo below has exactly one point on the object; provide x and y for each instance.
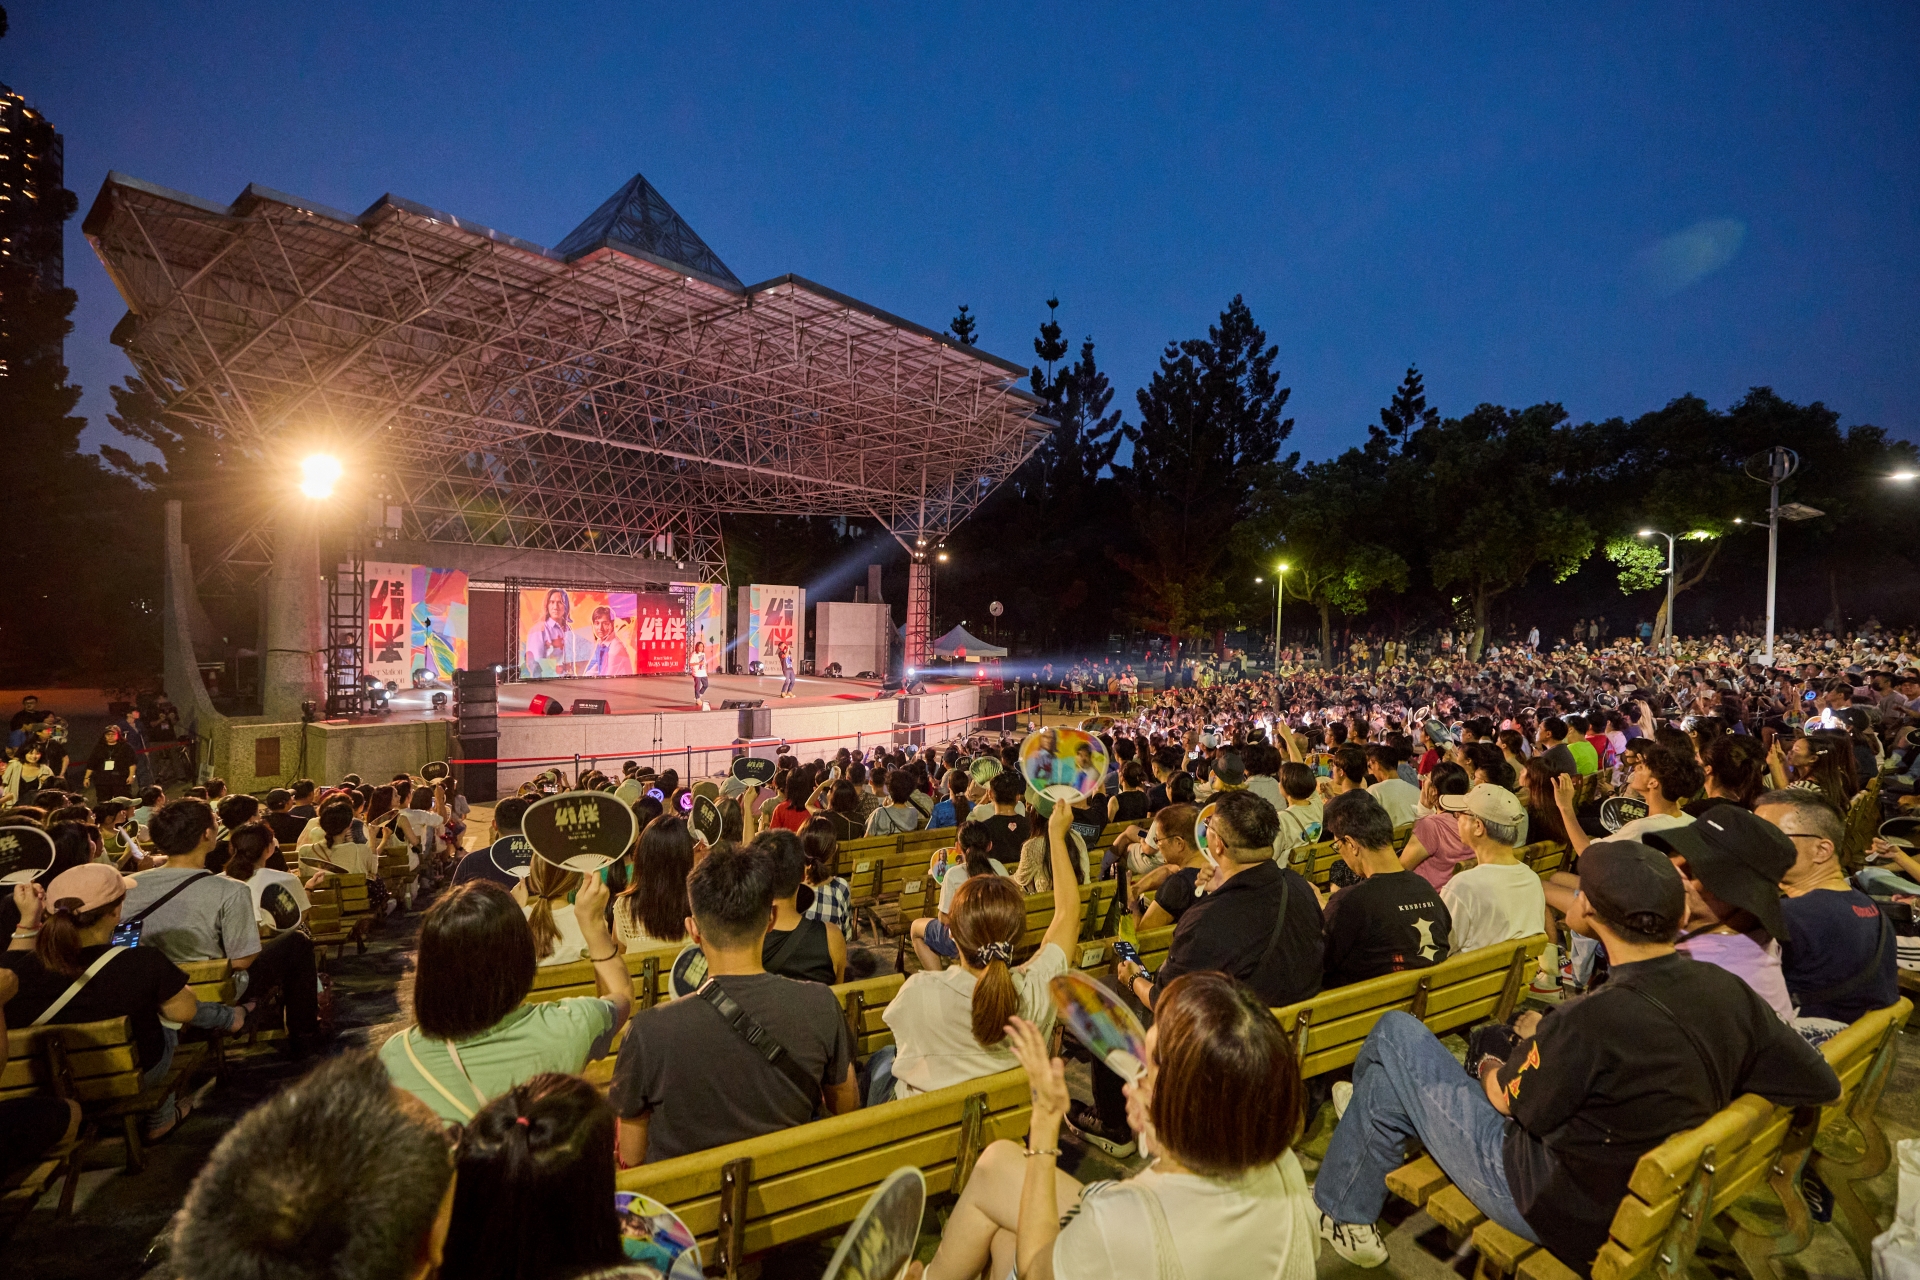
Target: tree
(964, 328)
(1208, 442)
(1320, 521)
(1406, 413)
(1499, 503)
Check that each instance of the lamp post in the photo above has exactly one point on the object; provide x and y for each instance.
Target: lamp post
(1279, 598)
(1666, 640)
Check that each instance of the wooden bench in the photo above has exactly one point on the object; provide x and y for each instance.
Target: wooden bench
(1698, 1175)
(97, 1065)
(340, 905)
(1543, 857)
(397, 875)
(1098, 915)
(747, 1197)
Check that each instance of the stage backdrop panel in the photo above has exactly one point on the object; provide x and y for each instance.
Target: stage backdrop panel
(706, 619)
(769, 616)
(568, 633)
(416, 621)
(853, 635)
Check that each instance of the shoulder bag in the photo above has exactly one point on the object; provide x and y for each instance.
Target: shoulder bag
(760, 1040)
(46, 1015)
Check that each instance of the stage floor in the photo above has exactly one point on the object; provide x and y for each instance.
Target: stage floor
(650, 695)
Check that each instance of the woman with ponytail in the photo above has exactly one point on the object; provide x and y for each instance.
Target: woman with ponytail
(544, 896)
(950, 1025)
(70, 971)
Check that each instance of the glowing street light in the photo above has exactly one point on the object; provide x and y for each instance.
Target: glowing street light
(1905, 475)
(318, 474)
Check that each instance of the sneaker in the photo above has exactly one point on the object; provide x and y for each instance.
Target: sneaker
(1085, 1121)
(1358, 1243)
(1342, 1095)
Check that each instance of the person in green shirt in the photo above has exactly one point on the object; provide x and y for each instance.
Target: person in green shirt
(1566, 752)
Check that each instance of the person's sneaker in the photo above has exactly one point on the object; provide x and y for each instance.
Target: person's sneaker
(1085, 1121)
(1342, 1095)
(1358, 1243)
(1545, 983)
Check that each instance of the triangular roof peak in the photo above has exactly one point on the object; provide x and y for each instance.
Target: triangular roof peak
(637, 216)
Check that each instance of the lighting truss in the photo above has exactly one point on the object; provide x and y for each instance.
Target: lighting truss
(614, 403)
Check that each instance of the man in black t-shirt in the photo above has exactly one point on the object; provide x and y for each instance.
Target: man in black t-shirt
(286, 825)
(1392, 919)
(1838, 955)
(1006, 828)
(508, 848)
(1545, 1142)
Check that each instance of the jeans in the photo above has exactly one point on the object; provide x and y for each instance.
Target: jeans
(1406, 1086)
(786, 685)
(880, 1075)
(153, 1075)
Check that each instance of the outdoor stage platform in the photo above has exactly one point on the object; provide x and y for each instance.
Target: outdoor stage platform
(655, 720)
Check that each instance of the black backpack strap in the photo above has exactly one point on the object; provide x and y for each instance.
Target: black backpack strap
(760, 1040)
(167, 897)
(1279, 926)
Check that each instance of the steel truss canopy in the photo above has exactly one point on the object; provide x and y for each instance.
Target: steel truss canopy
(616, 395)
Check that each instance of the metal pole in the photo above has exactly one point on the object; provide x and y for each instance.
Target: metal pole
(1668, 648)
(1773, 544)
(1279, 600)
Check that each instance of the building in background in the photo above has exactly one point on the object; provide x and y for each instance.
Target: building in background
(34, 204)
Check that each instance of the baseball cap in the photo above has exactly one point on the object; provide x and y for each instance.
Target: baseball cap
(96, 884)
(1489, 804)
(1738, 857)
(1624, 878)
(1230, 769)
(732, 788)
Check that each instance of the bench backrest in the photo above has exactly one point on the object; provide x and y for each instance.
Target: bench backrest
(86, 1061)
(211, 980)
(1328, 1029)
(1543, 857)
(747, 1197)
(346, 892)
(1315, 861)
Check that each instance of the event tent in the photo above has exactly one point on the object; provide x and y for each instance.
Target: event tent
(958, 638)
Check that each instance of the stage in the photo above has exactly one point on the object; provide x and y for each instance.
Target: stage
(655, 720)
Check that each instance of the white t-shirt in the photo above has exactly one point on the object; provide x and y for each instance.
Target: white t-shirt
(931, 1017)
(351, 858)
(1651, 823)
(1493, 903)
(422, 832)
(1401, 800)
(279, 899)
(1261, 1225)
(956, 875)
(572, 944)
(1267, 788)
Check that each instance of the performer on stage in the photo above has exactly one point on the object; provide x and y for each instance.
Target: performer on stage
(786, 670)
(699, 662)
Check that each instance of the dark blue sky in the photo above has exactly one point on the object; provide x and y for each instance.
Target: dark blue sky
(1607, 210)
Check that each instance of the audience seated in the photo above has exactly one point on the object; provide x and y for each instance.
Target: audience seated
(338, 1175)
(651, 911)
(1035, 873)
(472, 1038)
(33, 1125)
(280, 901)
(543, 895)
(899, 814)
(1180, 880)
(1544, 1141)
(796, 946)
(334, 848)
(1435, 848)
(696, 1072)
(1400, 798)
(503, 839)
(932, 936)
(1499, 897)
(832, 895)
(1391, 919)
(1219, 1106)
(1732, 864)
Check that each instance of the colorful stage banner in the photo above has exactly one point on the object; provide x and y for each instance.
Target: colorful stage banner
(706, 619)
(600, 633)
(416, 622)
(769, 617)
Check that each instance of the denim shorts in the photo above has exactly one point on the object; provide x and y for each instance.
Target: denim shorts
(939, 940)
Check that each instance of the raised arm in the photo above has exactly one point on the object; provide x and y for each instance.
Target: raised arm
(1577, 837)
(611, 981)
(1064, 929)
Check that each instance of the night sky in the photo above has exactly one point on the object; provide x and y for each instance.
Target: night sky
(1529, 202)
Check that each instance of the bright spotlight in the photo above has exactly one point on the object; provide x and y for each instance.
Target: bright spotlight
(1281, 567)
(1905, 475)
(1645, 533)
(318, 474)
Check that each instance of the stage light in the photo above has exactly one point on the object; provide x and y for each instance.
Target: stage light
(439, 702)
(943, 557)
(318, 474)
(1904, 475)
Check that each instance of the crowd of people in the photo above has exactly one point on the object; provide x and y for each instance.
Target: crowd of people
(1715, 922)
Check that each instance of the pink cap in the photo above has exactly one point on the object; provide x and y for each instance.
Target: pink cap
(96, 884)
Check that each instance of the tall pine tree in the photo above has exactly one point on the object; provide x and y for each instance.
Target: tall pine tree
(964, 328)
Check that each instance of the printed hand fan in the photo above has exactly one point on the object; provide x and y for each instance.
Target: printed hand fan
(580, 830)
(1063, 764)
(1098, 1020)
(880, 1243)
(25, 853)
(654, 1236)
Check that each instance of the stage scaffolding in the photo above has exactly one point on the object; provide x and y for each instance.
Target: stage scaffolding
(615, 396)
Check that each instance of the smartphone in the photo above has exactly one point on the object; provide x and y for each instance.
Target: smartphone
(1126, 950)
(127, 935)
(1810, 696)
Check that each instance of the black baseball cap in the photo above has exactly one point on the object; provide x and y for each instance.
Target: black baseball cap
(1624, 878)
(1739, 857)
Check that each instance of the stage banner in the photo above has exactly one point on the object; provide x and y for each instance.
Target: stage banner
(706, 619)
(416, 622)
(596, 633)
(769, 617)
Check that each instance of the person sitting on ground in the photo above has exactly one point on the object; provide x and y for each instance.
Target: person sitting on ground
(69, 971)
(1391, 919)
(336, 851)
(832, 895)
(1400, 798)
(543, 896)
(1544, 1142)
(533, 1189)
(1258, 923)
(1220, 1105)
(1838, 956)
(688, 1076)
(1182, 878)
(1499, 898)
(1732, 863)
(472, 1036)
(950, 1025)
(899, 814)
(280, 901)
(796, 946)
(338, 1175)
(932, 936)
(505, 845)
(1435, 850)
(1035, 873)
(651, 911)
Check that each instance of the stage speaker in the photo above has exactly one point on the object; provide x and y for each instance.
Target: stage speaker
(479, 783)
(542, 705)
(909, 710)
(996, 711)
(756, 722)
(737, 704)
(472, 724)
(909, 735)
(589, 707)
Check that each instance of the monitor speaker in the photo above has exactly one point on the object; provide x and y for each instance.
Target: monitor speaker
(479, 783)
(736, 704)
(542, 705)
(909, 710)
(589, 707)
(756, 722)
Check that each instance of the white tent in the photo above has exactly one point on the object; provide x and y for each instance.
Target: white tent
(957, 639)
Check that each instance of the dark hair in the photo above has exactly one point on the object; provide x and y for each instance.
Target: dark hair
(1131, 774)
(246, 849)
(1543, 809)
(302, 788)
(1556, 727)
(1357, 816)
(1180, 788)
(798, 790)
(1679, 776)
(821, 844)
(216, 787)
(1490, 760)
(1827, 821)
(662, 861)
(58, 944)
(1168, 758)
(509, 813)
(1351, 763)
(844, 798)
(1007, 786)
(975, 844)
(1739, 765)
(990, 909)
(1229, 1096)
(788, 859)
(1178, 819)
(534, 1199)
(1449, 779)
(380, 802)
(475, 962)
(336, 818)
(279, 798)
(1297, 780)
(178, 828)
(1254, 823)
(340, 1174)
(237, 810)
(1833, 769)
(731, 893)
(899, 785)
(150, 796)
(1387, 757)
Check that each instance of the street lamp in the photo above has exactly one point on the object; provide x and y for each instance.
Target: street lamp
(318, 474)
(1778, 463)
(1666, 640)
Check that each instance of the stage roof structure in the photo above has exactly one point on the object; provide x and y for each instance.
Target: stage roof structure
(614, 395)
